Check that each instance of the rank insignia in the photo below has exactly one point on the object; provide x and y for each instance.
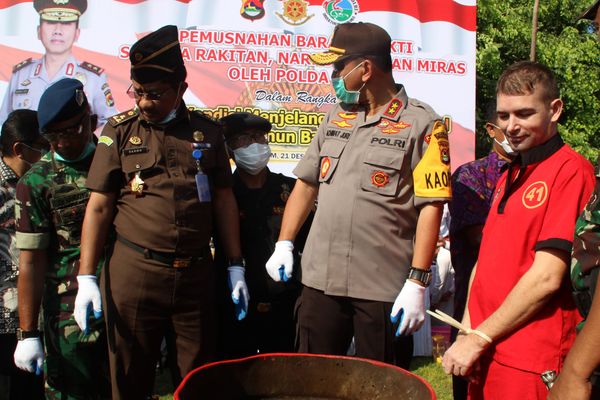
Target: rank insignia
(325, 165)
(347, 115)
(341, 124)
(393, 108)
(198, 136)
(137, 185)
(135, 140)
(26, 82)
(380, 178)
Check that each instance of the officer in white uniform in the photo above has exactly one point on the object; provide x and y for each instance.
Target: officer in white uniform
(58, 30)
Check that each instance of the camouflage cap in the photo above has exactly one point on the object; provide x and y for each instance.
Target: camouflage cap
(355, 39)
(60, 10)
(157, 56)
(239, 123)
(61, 101)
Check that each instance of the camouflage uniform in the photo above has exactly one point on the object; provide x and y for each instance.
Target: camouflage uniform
(586, 252)
(50, 206)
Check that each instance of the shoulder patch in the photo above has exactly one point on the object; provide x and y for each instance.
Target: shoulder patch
(91, 67)
(122, 117)
(22, 64)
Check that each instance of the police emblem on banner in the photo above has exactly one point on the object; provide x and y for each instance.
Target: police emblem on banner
(295, 12)
(339, 12)
(252, 9)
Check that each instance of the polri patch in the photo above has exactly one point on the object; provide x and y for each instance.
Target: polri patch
(325, 165)
(380, 178)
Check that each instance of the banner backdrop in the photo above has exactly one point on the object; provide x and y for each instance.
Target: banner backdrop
(252, 55)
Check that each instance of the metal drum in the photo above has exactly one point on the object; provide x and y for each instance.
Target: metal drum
(302, 376)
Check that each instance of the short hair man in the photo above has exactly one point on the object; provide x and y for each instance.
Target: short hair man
(51, 201)
(58, 31)
(166, 170)
(380, 167)
(523, 314)
(261, 196)
(21, 145)
(473, 186)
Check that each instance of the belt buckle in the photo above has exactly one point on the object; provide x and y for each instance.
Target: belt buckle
(263, 307)
(182, 262)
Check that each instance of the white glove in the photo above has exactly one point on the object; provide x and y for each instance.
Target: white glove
(280, 265)
(409, 308)
(88, 296)
(239, 291)
(29, 355)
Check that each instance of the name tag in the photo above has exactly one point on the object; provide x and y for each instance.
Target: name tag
(135, 150)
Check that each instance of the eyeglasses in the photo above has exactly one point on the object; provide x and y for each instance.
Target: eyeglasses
(65, 133)
(153, 95)
(246, 140)
(41, 150)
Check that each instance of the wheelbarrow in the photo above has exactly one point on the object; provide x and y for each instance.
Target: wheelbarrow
(302, 376)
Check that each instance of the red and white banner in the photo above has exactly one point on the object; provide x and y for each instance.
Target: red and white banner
(251, 55)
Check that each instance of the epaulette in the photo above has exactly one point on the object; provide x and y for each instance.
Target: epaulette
(22, 64)
(205, 116)
(122, 117)
(91, 67)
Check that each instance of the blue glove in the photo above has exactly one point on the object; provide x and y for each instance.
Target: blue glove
(87, 299)
(409, 308)
(239, 290)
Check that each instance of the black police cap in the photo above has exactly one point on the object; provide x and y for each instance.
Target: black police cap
(239, 123)
(60, 11)
(157, 56)
(61, 101)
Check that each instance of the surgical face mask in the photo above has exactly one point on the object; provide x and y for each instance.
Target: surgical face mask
(345, 95)
(506, 146)
(253, 158)
(87, 150)
(170, 117)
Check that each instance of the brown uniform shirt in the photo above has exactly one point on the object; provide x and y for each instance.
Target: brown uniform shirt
(373, 174)
(167, 215)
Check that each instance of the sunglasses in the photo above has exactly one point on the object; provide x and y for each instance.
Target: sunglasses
(53, 135)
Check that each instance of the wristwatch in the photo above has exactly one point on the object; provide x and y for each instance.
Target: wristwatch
(420, 275)
(21, 334)
(236, 261)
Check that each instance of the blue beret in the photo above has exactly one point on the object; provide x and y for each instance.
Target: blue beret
(61, 101)
(239, 122)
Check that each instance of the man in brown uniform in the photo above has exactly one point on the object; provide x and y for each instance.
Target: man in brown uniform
(166, 170)
(380, 167)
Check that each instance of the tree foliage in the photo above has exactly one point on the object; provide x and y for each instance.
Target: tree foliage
(563, 43)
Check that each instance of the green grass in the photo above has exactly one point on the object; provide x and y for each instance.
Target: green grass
(425, 367)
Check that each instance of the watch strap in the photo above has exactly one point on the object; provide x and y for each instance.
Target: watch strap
(421, 275)
(21, 334)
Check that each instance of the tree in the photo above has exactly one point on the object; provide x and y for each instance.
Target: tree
(563, 43)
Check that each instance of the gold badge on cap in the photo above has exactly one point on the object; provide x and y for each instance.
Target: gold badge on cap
(79, 97)
(198, 136)
(135, 140)
(137, 185)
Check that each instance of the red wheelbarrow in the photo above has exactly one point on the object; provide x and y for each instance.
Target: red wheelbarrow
(302, 376)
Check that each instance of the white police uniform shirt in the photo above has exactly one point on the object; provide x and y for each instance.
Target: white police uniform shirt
(30, 79)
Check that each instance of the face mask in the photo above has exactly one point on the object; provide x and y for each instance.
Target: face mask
(506, 146)
(345, 95)
(173, 113)
(253, 158)
(87, 150)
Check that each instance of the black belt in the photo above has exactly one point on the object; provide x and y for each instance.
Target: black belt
(172, 259)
